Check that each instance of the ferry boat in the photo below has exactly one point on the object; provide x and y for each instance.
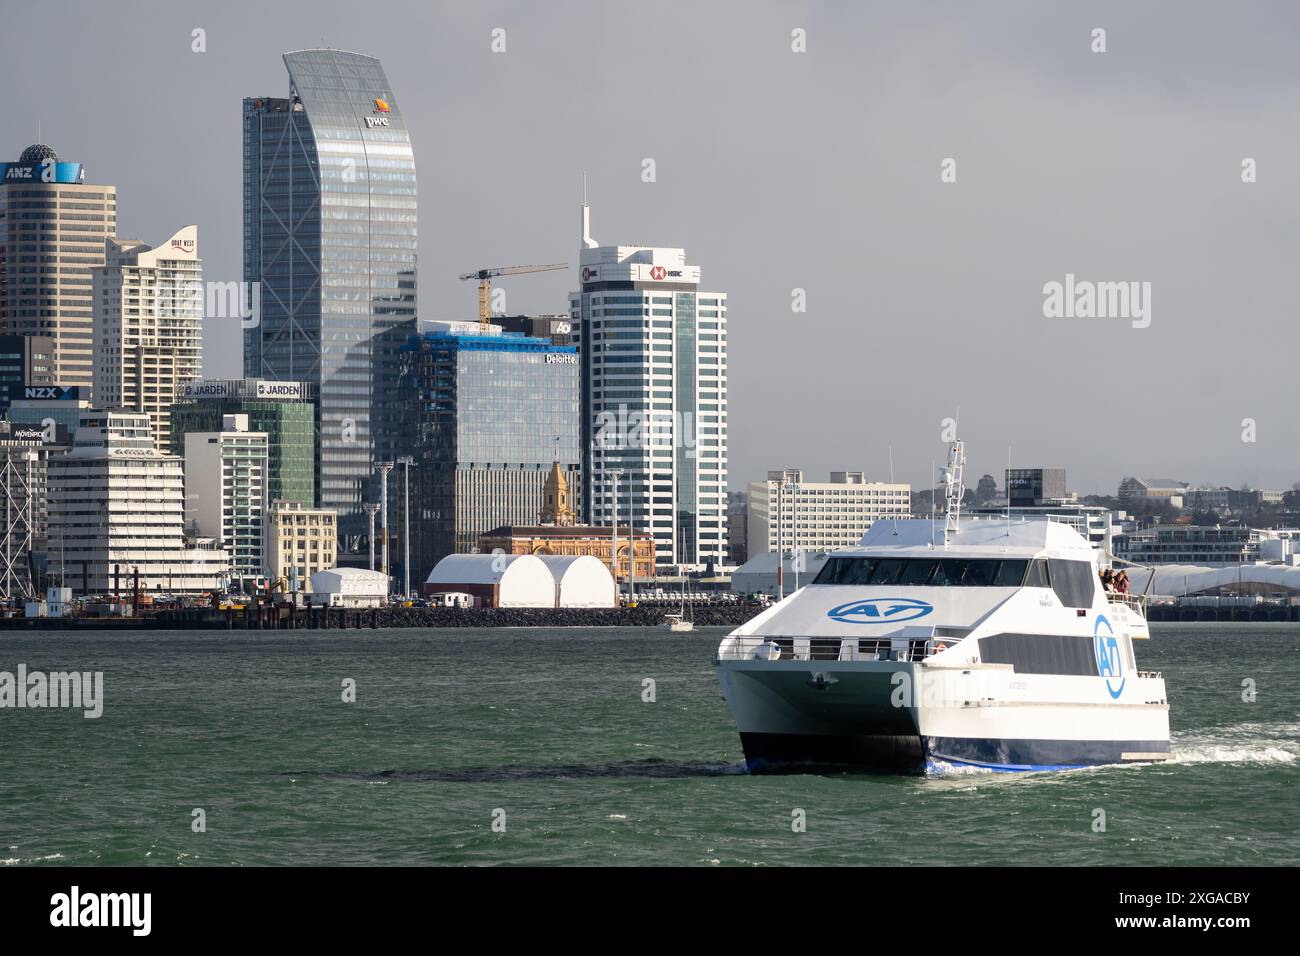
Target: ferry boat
(948, 642)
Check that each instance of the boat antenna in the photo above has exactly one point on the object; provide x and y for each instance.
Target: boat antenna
(932, 508)
(953, 486)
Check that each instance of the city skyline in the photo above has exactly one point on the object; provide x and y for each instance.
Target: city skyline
(1065, 167)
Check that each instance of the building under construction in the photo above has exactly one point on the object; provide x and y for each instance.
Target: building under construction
(24, 468)
(492, 412)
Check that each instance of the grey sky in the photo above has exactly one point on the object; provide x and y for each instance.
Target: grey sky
(779, 170)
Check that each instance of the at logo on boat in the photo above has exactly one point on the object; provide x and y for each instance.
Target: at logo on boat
(880, 611)
(1110, 663)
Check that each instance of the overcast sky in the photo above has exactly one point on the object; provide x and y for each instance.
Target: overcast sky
(779, 170)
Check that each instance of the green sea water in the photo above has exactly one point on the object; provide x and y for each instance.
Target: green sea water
(547, 732)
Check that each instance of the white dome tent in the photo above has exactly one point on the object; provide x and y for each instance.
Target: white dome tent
(580, 580)
(1187, 580)
(495, 580)
(758, 574)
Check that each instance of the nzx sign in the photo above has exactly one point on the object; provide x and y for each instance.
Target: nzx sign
(58, 393)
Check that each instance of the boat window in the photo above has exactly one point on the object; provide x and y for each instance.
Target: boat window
(1073, 581)
(887, 571)
(846, 571)
(917, 572)
(978, 574)
(1040, 653)
(943, 575)
(1010, 574)
(923, 572)
(1037, 576)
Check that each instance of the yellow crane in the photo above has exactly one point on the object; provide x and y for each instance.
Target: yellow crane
(485, 277)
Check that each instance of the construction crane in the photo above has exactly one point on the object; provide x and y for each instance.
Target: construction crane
(485, 276)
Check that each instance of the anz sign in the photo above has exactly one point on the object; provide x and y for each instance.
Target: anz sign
(880, 611)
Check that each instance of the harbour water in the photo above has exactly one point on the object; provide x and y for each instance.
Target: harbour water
(550, 733)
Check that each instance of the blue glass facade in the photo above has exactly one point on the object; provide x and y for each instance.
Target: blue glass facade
(492, 413)
(330, 236)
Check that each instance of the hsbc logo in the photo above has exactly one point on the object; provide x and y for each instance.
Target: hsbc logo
(588, 273)
(659, 273)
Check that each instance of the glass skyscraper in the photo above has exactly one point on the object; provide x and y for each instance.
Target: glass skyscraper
(330, 238)
(492, 414)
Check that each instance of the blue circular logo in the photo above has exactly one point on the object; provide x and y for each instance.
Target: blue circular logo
(1110, 662)
(880, 611)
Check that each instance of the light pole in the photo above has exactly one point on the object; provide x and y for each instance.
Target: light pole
(371, 510)
(384, 467)
(614, 476)
(780, 540)
(794, 531)
(406, 462)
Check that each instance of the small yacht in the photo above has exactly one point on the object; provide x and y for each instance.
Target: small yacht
(949, 641)
(678, 623)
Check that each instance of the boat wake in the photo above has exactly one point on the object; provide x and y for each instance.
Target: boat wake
(1248, 743)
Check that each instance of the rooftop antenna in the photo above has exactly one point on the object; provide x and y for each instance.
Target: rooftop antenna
(953, 486)
(587, 241)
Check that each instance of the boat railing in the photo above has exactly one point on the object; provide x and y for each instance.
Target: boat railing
(1138, 602)
(770, 648)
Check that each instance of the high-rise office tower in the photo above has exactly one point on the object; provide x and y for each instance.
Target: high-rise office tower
(52, 231)
(654, 397)
(148, 325)
(494, 414)
(330, 240)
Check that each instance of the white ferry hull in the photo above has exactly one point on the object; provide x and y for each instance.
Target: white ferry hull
(910, 716)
